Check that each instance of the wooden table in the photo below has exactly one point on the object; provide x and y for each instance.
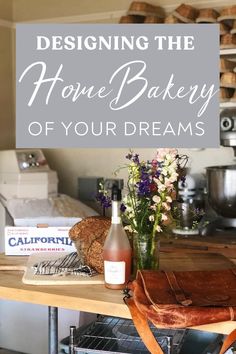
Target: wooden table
(96, 298)
(223, 242)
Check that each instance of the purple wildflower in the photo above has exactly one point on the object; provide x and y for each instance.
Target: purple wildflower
(129, 156)
(183, 180)
(136, 158)
(198, 212)
(104, 200)
(122, 207)
(133, 157)
(144, 188)
(157, 173)
(145, 181)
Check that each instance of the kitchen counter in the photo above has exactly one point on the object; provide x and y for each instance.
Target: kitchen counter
(96, 298)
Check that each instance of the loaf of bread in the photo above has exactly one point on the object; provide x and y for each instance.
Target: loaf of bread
(89, 236)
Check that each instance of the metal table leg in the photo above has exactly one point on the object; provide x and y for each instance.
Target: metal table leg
(72, 340)
(52, 330)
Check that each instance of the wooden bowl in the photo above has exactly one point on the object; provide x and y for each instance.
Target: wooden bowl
(228, 13)
(186, 13)
(224, 28)
(233, 98)
(207, 16)
(144, 9)
(172, 19)
(226, 94)
(131, 19)
(228, 79)
(226, 65)
(233, 30)
(153, 19)
(228, 41)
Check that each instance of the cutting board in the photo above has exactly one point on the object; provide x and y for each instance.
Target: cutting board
(176, 261)
(30, 278)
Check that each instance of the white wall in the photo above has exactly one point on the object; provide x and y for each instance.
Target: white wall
(69, 163)
(72, 163)
(25, 327)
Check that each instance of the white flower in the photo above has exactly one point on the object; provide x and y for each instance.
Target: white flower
(168, 199)
(129, 228)
(166, 206)
(164, 217)
(159, 180)
(151, 218)
(161, 187)
(158, 228)
(156, 199)
(164, 171)
(168, 157)
(168, 184)
(156, 180)
(166, 154)
(173, 177)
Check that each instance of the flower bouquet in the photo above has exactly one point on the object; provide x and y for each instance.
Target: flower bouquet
(146, 208)
(147, 205)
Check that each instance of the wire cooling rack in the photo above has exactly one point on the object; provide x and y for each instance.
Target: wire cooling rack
(116, 335)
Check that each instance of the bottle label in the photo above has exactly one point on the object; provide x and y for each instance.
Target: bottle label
(114, 272)
(116, 220)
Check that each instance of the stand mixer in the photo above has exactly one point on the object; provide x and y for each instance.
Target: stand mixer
(221, 180)
(188, 209)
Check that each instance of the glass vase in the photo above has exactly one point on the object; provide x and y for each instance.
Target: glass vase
(146, 251)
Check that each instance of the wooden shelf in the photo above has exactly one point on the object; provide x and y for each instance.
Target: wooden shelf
(228, 52)
(224, 105)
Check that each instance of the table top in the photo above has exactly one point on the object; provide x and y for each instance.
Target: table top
(223, 242)
(96, 298)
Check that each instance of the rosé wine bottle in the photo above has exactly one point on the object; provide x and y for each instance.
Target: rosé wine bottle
(116, 250)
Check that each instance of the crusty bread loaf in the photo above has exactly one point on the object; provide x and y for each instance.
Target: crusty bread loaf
(89, 236)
